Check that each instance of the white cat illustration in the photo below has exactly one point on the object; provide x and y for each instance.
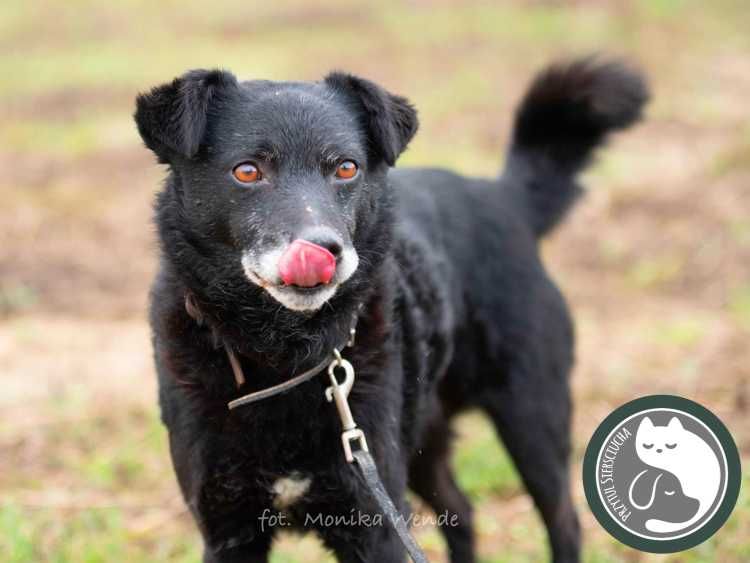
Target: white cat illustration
(687, 457)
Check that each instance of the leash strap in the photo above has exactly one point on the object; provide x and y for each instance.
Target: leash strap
(276, 389)
(285, 386)
(369, 471)
(338, 393)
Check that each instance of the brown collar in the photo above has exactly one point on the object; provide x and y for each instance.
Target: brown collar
(195, 313)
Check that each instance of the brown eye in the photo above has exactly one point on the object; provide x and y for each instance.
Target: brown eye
(246, 172)
(346, 170)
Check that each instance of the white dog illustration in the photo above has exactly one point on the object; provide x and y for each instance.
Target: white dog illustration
(685, 455)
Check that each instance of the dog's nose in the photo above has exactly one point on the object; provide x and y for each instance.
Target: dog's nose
(325, 239)
(658, 450)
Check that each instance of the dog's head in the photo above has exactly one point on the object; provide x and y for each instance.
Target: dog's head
(278, 183)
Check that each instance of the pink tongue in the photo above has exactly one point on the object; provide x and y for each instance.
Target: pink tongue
(306, 264)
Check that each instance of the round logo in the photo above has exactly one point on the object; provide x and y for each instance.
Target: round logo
(661, 474)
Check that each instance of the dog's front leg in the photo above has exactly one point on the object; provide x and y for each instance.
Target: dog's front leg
(376, 544)
(355, 529)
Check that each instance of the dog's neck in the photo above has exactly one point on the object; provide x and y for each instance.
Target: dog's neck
(266, 336)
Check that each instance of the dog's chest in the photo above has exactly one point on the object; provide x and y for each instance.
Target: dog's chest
(289, 490)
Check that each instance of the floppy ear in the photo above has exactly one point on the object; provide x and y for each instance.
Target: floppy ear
(390, 120)
(172, 118)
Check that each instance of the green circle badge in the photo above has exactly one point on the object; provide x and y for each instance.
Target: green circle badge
(661, 474)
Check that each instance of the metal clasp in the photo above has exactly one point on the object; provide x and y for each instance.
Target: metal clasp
(347, 438)
(339, 393)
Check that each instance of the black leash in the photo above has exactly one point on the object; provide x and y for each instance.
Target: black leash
(369, 471)
(361, 458)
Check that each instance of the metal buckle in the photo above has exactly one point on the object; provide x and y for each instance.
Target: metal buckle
(347, 438)
(339, 393)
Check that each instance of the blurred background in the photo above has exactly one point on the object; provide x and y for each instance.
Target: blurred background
(655, 261)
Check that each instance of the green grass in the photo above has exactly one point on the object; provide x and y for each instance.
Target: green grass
(739, 306)
(89, 536)
(735, 157)
(679, 333)
(655, 271)
(72, 138)
(481, 463)
(15, 298)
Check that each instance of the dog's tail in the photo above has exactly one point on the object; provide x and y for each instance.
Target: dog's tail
(566, 113)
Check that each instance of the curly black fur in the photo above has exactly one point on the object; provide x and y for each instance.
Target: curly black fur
(456, 308)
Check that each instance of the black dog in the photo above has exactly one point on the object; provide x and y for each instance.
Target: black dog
(281, 221)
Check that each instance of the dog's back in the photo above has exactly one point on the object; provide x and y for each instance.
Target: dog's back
(481, 235)
(500, 327)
